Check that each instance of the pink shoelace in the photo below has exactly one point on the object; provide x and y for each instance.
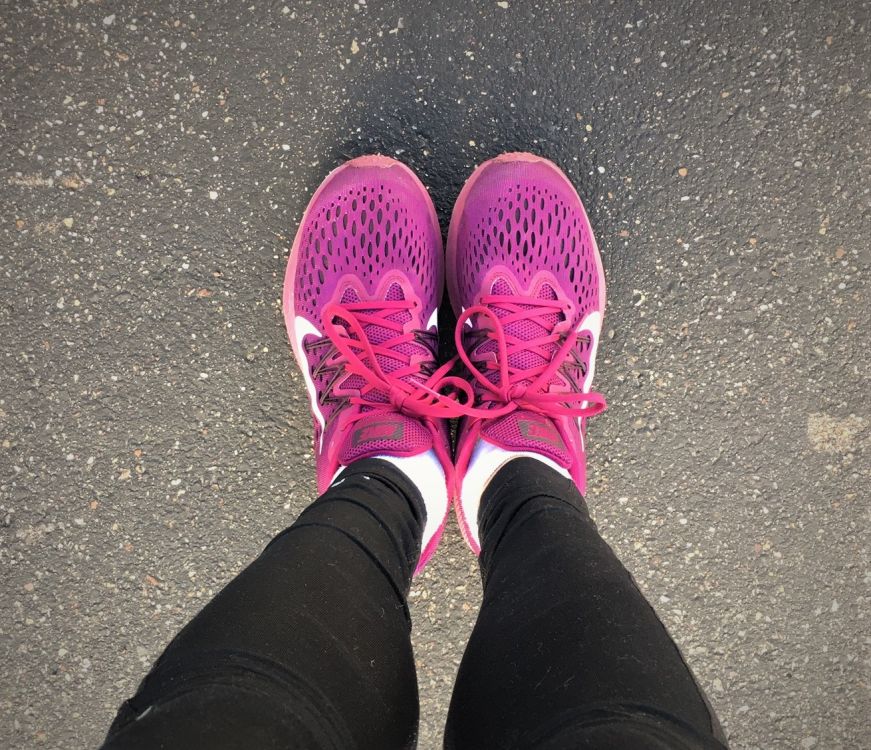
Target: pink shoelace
(359, 356)
(524, 387)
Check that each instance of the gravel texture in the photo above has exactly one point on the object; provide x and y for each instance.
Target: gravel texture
(156, 157)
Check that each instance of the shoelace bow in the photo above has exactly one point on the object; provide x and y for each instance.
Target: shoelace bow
(344, 325)
(518, 387)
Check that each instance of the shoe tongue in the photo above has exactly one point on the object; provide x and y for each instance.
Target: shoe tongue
(379, 433)
(528, 431)
(377, 334)
(525, 330)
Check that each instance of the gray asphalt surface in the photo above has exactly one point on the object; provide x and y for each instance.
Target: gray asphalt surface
(156, 157)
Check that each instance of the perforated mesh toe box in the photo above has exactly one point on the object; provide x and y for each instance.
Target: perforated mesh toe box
(367, 222)
(522, 215)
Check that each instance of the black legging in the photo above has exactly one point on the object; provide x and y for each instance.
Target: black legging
(309, 647)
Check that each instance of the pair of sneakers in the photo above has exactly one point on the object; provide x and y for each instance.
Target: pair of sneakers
(361, 296)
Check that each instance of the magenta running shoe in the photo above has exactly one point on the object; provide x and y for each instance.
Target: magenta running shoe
(361, 295)
(526, 282)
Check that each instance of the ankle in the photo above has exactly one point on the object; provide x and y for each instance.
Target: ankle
(520, 489)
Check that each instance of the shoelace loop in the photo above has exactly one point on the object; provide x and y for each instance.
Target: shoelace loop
(524, 388)
(344, 326)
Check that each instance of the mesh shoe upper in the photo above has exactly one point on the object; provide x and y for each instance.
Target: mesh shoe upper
(526, 217)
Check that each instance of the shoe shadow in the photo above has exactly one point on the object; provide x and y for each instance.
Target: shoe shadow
(443, 141)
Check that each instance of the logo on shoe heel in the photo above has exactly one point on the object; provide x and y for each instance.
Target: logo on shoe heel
(378, 431)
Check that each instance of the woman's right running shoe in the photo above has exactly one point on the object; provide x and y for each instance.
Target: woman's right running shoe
(526, 282)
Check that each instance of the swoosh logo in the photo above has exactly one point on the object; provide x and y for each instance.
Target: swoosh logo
(433, 321)
(303, 327)
(592, 323)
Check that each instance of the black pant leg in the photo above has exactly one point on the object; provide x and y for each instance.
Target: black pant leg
(566, 652)
(308, 647)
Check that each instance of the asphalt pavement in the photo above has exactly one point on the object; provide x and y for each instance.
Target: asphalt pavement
(156, 158)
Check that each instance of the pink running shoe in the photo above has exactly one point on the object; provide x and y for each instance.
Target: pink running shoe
(526, 282)
(361, 296)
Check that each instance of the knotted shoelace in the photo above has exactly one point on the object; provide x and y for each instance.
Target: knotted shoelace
(439, 396)
(523, 387)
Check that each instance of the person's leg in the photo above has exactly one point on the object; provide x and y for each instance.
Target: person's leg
(309, 647)
(566, 652)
